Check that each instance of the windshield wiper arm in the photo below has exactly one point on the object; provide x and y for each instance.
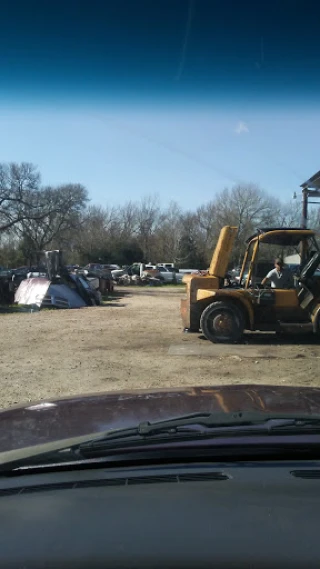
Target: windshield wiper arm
(210, 420)
(217, 420)
(214, 421)
(215, 424)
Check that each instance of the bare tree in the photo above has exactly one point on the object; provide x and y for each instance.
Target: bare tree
(148, 217)
(191, 251)
(209, 228)
(246, 207)
(288, 214)
(19, 187)
(56, 216)
(129, 217)
(94, 235)
(58, 211)
(167, 235)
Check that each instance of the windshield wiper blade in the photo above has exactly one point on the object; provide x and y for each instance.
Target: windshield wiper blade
(217, 420)
(185, 426)
(170, 426)
(211, 421)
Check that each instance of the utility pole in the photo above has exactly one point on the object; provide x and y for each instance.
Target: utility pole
(304, 219)
(310, 189)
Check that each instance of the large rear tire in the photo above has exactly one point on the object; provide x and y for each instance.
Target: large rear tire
(222, 322)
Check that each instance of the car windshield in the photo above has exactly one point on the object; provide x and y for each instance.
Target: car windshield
(143, 143)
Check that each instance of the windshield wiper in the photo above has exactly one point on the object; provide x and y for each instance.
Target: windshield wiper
(186, 427)
(234, 422)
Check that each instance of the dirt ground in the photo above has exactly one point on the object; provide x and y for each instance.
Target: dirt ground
(135, 341)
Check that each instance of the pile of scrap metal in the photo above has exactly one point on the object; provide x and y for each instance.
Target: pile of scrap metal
(139, 274)
(10, 280)
(57, 288)
(98, 275)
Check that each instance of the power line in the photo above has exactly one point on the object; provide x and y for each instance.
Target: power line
(184, 153)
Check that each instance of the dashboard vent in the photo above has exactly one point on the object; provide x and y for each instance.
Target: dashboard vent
(133, 480)
(101, 482)
(306, 474)
(10, 491)
(38, 488)
(151, 479)
(203, 476)
(48, 487)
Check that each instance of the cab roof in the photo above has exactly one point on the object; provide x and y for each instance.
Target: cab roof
(282, 235)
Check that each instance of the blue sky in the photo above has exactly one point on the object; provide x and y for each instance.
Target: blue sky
(187, 154)
(178, 98)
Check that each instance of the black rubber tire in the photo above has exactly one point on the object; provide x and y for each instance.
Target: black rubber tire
(234, 325)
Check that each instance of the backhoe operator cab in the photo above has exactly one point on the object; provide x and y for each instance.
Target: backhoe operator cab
(223, 313)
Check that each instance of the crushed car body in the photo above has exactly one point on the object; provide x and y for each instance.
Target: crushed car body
(58, 289)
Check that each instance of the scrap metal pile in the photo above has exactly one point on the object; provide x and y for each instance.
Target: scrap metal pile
(146, 278)
(139, 274)
(52, 285)
(59, 288)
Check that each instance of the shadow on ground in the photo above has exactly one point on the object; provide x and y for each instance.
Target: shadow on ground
(265, 339)
(117, 295)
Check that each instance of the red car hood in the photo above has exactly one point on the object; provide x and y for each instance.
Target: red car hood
(52, 420)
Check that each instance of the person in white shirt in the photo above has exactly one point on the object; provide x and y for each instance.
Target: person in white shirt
(280, 277)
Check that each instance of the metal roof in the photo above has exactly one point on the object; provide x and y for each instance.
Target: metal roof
(313, 182)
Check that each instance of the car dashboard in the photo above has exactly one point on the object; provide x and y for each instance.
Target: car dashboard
(194, 516)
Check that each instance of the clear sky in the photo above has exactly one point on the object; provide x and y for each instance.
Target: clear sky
(175, 97)
(183, 154)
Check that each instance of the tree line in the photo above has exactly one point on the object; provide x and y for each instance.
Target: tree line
(34, 217)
